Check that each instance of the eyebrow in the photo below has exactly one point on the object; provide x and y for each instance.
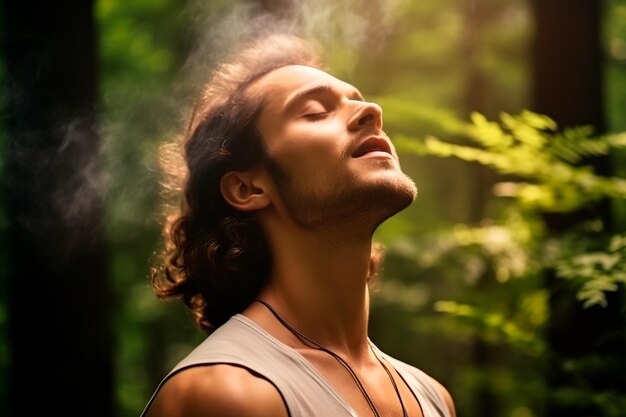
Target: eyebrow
(313, 91)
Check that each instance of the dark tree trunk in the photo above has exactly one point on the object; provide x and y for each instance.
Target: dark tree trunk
(567, 61)
(59, 298)
(474, 94)
(586, 345)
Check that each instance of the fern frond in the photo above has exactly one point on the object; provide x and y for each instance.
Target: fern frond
(577, 143)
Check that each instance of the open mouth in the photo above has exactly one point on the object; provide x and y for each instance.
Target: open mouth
(374, 145)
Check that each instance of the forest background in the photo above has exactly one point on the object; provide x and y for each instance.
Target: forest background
(505, 280)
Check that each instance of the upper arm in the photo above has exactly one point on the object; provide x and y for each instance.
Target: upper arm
(217, 391)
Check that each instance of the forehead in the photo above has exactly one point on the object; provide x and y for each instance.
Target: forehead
(282, 85)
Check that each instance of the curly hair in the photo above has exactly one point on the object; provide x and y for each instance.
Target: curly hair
(215, 258)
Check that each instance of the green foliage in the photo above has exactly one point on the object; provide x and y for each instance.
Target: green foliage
(141, 48)
(549, 177)
(495, 327)
(597, 272)
(528, 146)
(540, 169)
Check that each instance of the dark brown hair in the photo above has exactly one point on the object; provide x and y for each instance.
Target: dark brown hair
(215, 258)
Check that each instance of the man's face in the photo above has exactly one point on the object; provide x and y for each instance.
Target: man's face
(328, 155)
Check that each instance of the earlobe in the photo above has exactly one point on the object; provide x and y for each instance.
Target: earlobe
(240, 191)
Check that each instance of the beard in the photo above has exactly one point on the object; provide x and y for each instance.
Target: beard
(364, 204)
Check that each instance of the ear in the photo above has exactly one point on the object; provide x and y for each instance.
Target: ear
(243, 192)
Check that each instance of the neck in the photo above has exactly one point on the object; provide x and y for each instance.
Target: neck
(319, 285)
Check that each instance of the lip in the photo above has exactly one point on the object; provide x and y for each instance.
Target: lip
(373, 146)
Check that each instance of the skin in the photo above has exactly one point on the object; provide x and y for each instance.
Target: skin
(319, 221)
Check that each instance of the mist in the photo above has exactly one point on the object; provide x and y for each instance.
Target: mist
(348, 26)
(103, 161)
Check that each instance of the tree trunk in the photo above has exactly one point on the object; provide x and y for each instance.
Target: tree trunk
(586, 345)
(475, 91)
(567, 62)
(59, 296)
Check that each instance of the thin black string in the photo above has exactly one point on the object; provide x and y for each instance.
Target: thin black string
(310, 342)
(339, 359)
(393, 381)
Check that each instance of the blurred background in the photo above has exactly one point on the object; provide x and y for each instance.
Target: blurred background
(504, 280)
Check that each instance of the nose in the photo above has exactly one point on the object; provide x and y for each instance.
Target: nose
(367, 115)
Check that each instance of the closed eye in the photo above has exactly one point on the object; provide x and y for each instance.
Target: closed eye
(316, 116)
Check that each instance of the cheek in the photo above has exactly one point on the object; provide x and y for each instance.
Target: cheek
(312, 148)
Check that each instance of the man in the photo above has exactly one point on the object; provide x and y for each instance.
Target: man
(288, 175)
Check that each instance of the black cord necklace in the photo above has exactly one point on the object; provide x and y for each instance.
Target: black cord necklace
(314, 344)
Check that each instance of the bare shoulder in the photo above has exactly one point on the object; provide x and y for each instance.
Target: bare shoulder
(217, 391)
(446, 396)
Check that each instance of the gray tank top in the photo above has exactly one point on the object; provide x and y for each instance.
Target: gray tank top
(306, 393)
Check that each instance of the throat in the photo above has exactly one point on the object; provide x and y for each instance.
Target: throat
(321, 288)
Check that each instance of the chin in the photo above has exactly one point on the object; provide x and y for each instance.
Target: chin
(395, 185)
(382, 198)
(395, 197)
